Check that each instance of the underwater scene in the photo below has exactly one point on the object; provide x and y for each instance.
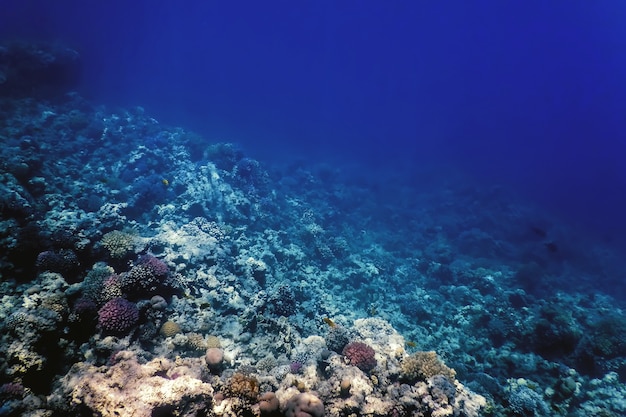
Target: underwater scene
(307, 209)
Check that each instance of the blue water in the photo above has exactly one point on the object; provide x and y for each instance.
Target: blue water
(530, 93)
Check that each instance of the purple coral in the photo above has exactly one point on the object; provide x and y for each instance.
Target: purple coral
(156, 266)
(145, 277)
(295, 367)
(12, 390)
(360, 355)
(64, 262)
(118, 316)
(85, 308)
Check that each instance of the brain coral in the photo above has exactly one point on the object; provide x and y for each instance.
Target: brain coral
(360, 355)
(118, 316)
(170, 328)
(304, 405)
(213, 341)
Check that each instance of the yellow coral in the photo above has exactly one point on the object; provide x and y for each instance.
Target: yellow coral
(170, 328)
(243, 387)
(196, 341)
(423, 365)
(213, 342)
(56, 302)
(118, 244)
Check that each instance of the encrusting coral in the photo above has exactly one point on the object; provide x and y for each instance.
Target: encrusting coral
(242, 386)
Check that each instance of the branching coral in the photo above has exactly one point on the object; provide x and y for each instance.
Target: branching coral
(145, 278)
(423, 365)
(119, 244)
(243, 386)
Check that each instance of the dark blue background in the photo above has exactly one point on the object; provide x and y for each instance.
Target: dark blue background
(526, 93)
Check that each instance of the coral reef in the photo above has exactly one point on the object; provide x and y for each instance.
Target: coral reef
(148, 272)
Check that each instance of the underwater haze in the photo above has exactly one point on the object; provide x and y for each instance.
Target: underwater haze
(529, 94)
(312, 208)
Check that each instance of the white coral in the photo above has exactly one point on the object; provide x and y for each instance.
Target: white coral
(132, 389)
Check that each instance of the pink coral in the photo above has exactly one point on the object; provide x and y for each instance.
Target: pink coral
(268, 404)
(214, 358)
(360, 355)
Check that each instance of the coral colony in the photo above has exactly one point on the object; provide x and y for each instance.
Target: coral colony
(147, 271)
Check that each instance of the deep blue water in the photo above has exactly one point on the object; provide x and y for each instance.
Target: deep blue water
(530, 94)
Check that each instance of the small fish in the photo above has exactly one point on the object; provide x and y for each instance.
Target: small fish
(329, 322)
(165, 182)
